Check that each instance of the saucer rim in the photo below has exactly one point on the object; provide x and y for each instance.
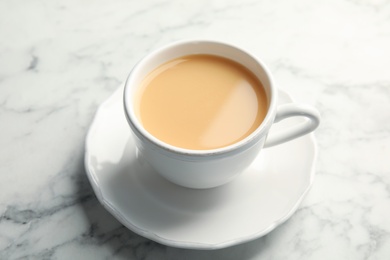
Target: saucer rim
(91, 174)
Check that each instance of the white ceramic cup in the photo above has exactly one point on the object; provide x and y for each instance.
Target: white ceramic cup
(212, 168)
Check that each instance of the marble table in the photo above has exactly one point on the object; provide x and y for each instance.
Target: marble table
(59, 60)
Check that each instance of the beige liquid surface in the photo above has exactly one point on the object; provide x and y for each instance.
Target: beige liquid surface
(201, 102)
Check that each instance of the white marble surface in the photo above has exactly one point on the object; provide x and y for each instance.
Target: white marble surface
(60, 59)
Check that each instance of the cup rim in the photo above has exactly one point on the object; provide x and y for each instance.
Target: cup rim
(143, 134)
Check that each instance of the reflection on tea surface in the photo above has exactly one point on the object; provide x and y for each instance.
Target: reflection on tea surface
(201, 102)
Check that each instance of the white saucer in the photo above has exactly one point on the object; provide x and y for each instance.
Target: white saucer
(261, 198)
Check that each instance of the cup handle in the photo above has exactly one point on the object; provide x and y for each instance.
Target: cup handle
(291, 110)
